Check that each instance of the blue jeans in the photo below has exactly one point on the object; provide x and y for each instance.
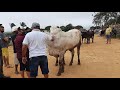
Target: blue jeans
(35, 62)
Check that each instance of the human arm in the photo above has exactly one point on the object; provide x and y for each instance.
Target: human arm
(4, 37)
(24, 49)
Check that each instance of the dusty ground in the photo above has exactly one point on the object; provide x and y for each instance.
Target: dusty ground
(98, 60)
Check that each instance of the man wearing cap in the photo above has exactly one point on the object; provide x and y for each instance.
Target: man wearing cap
(1, 59)
(18, 46)
(5, 52)
(35, 41)
(16, 62)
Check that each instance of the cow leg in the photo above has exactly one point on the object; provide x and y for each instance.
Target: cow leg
(72, 53)
(56, 64)
(78, 52)
(64, 60)
(82, 39)
(61, 65)
(87, 40)
(92, 39)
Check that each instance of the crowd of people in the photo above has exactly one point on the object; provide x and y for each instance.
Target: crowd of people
(29, 51)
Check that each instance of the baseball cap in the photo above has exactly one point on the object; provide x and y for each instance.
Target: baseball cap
(15, 28)
(0, 24)
(35, 24)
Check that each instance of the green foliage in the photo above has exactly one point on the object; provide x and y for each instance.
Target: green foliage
(106, 18)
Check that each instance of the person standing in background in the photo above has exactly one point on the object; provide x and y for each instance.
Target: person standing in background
(5, 42)
(16, 62)
(108, 35)
(18, 46)
(35, 41)
(1, 59)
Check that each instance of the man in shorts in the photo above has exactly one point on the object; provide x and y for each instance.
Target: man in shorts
(108, 35)
(1, 59)
(5, 52)
(35, 41)
(18, 46)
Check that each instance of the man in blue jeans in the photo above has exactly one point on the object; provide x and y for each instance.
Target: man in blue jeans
(36, 42)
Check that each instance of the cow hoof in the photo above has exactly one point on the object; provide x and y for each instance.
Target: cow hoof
(58, 74)
(56, 64)
(70, 64)
(64, 64)
(62, 71)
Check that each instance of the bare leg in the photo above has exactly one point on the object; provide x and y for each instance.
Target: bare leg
(16, 69)
(72, 53)
(22, 74)
(5, 62)
(107, 41)
(56, 64)
(28, 74)
(46, 76)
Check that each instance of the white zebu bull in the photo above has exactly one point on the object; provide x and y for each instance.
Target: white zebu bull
(64, 41)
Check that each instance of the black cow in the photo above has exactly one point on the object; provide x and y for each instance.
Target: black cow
(114, 32)
(87, 35)
(102, 33)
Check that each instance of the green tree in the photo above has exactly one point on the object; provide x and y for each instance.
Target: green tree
(102, 18)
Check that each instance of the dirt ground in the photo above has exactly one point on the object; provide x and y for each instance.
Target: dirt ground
(98, 60)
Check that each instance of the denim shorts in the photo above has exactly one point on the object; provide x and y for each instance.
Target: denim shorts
(24, 67)
(108, 36)
(41, 61)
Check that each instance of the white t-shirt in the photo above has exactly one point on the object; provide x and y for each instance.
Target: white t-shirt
(36, 42)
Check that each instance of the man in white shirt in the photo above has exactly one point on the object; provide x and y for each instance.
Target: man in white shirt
(35, 41)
